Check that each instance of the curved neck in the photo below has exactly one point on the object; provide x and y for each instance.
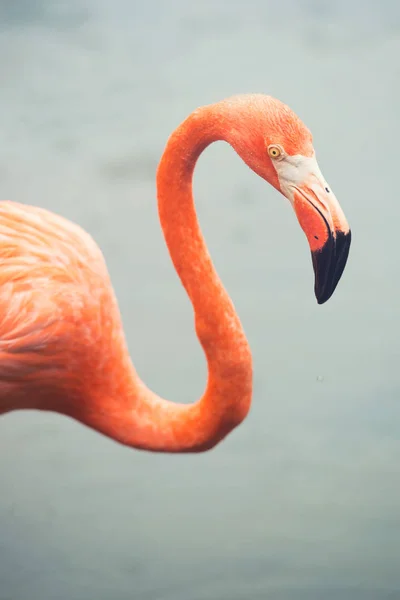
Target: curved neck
(227, 399)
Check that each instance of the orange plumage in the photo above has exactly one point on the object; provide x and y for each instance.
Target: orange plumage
(62, 346)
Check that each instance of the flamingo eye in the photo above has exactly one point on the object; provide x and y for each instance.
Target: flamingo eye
(274, 151)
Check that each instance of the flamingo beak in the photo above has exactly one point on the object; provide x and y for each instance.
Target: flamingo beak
(328, 233)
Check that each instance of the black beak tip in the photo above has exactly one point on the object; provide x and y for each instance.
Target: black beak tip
(321, 299)
(329, 264)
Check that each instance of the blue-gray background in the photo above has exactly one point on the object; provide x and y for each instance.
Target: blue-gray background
(302, 501)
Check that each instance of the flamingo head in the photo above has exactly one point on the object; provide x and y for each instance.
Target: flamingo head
(276, 144)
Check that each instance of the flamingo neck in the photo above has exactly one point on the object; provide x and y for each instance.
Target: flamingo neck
(227, 399)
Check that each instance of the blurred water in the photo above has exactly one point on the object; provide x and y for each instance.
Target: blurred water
(301, 502)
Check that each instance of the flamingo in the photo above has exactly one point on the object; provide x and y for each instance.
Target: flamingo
(62, 345)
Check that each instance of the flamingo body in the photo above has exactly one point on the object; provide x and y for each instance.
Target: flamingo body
(60, 321)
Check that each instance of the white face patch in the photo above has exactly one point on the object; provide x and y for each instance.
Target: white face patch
(303, 172)
(295, 171)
